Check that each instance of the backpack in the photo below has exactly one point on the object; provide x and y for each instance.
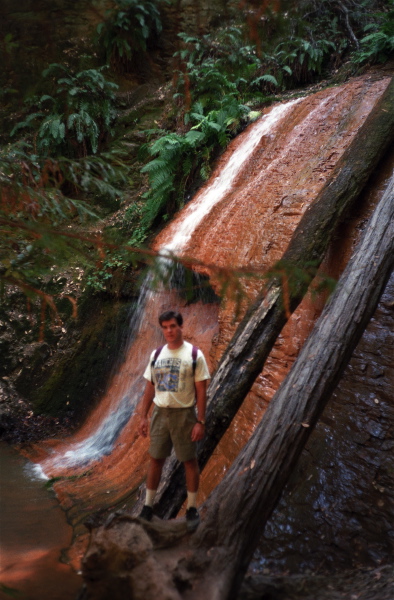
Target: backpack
(160, 348)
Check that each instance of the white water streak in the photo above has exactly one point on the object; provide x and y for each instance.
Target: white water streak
(101, 442)
(215, 192)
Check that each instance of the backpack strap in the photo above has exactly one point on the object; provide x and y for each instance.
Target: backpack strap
(155, 357)
(194, 358)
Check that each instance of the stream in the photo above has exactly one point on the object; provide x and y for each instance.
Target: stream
(33, 534)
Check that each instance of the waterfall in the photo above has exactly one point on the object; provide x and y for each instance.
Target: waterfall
(244, 214)
(219, 185)
(125, 396)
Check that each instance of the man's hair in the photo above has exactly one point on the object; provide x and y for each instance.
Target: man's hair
(171, 314)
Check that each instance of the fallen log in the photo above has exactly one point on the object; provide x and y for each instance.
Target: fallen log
(239, 507)
(210, 564)
(255, 336)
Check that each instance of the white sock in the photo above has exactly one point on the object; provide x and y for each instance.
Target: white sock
(150, 497)
(191, 499)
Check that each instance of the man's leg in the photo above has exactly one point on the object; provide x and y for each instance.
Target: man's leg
(152, 483)
(154, 474)
(192, 480)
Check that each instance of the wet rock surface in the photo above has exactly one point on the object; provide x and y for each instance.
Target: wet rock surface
(338, 508)
(20, 425)
(362, 584)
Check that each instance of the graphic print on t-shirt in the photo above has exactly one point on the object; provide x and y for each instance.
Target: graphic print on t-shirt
(167, 372)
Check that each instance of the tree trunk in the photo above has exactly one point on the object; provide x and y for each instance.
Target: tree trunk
(246, 354)
(239, 507)
(211, 564)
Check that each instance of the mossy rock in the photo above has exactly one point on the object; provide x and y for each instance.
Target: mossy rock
(78, 378)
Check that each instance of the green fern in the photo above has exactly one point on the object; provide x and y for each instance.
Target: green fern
(215, 66)
(176, 158)
(378, 45)
(35, 211)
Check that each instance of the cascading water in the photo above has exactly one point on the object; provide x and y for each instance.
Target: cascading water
(244, 215)
(112, 418)
(222, 183)
(124, 400)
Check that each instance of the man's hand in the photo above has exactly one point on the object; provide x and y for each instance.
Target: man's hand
(149, 393)
(198, 432)
(143, 427)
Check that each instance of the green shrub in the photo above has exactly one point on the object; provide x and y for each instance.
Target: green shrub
(378, 45)
(178, 158)
(76, 118)
(212, 67)
(35, 212)
(127, 31)
(98, 278)
(294, 61)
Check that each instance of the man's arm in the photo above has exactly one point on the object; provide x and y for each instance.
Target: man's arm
(146, 403)
(201, 399)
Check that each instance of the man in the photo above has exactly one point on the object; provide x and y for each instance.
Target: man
(176, 377)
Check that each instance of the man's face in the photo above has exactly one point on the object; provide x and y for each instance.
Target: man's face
(172, 332)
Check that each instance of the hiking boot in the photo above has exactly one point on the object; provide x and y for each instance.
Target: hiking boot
(146, 513)
(192, 518)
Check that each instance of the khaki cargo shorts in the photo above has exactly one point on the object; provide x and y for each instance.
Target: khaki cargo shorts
(172, 427)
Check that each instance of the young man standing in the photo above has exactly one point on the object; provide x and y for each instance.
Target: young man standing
(176, 377)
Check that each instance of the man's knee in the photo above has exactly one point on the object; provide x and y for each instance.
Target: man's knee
(191, 465)
(157, 463)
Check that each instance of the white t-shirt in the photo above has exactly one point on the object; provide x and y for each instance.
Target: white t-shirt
(173, 376)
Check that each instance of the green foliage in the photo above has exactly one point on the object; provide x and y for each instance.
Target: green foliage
(30, 186)
(178, 157)
(35, 213)
(44, 175)
(294, 61)
(98, 278)
(174, 155)
(306, 41)
(211, 75)
(378, 44)
(212, 67)
(9, 44)
(76, 118)
(128, 29)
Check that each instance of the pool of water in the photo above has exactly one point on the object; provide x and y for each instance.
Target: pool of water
(33, 534)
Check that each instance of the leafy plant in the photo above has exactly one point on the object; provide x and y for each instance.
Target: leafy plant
(9, 44)
(35, 213)
(378, 44)
(295, 60)
(173, 160)
(214, 113)
(128, 29)
(178, 157)
(98, 277)
(76, 119)
(212, 67)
